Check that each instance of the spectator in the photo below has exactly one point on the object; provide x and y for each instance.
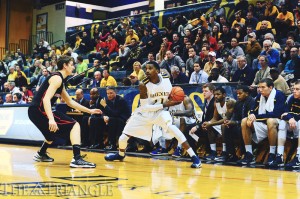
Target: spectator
(134, 54)
(12, 74)
(150, 59)
(99, 45)
(108, 80)
(172, 60)
(215, 76)
(271, 11)
(253, 49)
(44, 76)
(198, 76)
(279, 82)
(8, 99)
(224, 71)
(236, 50)
(96, 80)
(20, 80)
(138, 73)
(112, 46)
(244, 74)
(291, 64)
(178, 77)
(193, 58)
(230, 63)
(26, 94)
(251, 21)
(284, 22)
(160, 56)
(81, 69)
(263, 73)
(211, 63)
(17, 98)
(123, 55)
(130, 36)
(270, 36)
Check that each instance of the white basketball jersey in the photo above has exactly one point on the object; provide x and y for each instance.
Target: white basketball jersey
(159, 93)
(221, 110)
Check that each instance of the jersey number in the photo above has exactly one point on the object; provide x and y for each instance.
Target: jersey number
(161, 101)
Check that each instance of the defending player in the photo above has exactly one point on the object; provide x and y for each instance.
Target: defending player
(53, 124)
(154, 94)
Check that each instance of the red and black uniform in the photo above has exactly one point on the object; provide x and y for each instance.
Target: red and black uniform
(38, 116)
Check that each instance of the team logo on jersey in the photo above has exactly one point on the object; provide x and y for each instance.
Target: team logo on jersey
(159, 94)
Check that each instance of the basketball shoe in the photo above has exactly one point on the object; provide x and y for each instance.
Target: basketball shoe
(211, 157)
(271, 159)
(294, 164)
(177, 152)
(114, 156)
(81, 163)
(159, 152)
(39, 157)
(247, 159)
(277, 162)
(196, 162)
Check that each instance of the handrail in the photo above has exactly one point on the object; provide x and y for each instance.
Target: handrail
(63, 42)
(2, 52)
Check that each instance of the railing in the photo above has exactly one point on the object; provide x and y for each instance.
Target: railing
(34, 39)
(23, 45)
(62, 41)
(13, 47)
(2, 52)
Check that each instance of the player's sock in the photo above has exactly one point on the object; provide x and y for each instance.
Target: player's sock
(249, 148)
(191, 152)
(224, 147)
(272, 149)
(179, 146)
(44, 148)
(298, 150)
(123, 143)
(76, 151)
(213, 147)
(280, 150)
(162, 142)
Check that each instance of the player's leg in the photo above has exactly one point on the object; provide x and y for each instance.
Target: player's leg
(247, 137)
(295, 163)
(164, 120)
(272, 124)
(282, 131)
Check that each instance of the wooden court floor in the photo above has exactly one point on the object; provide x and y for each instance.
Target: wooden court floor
(21, 177)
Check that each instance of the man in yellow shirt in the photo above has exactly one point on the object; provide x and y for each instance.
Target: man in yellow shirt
(108, 80)
(284, 22)
(131, 35)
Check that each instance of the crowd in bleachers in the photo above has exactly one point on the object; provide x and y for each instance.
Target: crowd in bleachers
(261, 41)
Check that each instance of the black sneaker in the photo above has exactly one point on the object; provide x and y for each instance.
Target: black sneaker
(231, 158)
(271, 159)
(211, 157)
(42, 157)
(294, 164)
(248, 159)
(278, 162)
(81, 163)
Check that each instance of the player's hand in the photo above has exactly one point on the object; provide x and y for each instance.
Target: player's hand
(252, 117)
(193, 130)
(53, 126)
(229, 123)
(170, 103)
(95, 111)
(103, 102)
(292, 123)
(249, 123)
(106, 119)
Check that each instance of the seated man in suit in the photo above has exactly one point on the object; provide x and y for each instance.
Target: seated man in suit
(115, 114)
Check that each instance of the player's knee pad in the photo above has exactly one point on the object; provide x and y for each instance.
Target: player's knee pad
(123, 141)
(176, 133)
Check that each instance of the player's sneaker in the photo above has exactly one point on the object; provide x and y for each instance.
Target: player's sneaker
(177, 152)
(211, 157)
(222, 157)
(196, 162)
(247, 159)
(159, 152)
(295, 163)
(277, 162)
(81, 163)
(39, 157)
(271, 159)
(231, 158)
(114, 156)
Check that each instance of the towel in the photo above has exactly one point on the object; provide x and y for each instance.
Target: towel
(267, 105)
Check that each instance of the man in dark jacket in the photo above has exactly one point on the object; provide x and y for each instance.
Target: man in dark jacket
(115, 114)
(244, 74)
(232, 128)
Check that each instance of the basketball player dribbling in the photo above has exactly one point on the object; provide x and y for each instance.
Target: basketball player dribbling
(56, 124)
(154, 93)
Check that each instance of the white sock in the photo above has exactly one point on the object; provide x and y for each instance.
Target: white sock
(179, 146)
(248, 148)
(213, 147)
(162, 142)
(224, 147)
(191, 152)
(272, 149)
(298, 150)
(121, 153)
(280, 150)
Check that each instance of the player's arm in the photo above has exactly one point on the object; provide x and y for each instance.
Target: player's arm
(215, 120)
(189, 108)
(145, 106)
(77, 106)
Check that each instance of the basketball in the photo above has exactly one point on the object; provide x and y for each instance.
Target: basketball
(177, 94)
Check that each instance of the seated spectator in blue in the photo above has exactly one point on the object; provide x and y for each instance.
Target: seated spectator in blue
(291, 64)
(44, 76)
(96, 80)
(244, 74)
(8, 99)
(271, 53)
(198, 76)
(178, 77)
